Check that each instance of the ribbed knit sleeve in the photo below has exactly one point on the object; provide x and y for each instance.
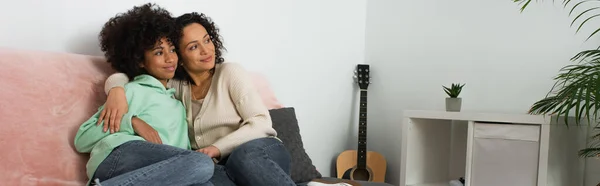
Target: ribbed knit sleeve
(256, 121)
(115, 80)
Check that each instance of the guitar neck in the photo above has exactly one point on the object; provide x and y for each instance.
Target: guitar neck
(362, 130)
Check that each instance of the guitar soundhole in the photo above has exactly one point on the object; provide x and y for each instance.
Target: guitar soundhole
(361, 174)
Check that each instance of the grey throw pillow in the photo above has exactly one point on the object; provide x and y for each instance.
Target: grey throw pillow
(286, 125)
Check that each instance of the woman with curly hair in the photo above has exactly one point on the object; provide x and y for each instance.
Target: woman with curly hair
(152, 146)
(227, 119)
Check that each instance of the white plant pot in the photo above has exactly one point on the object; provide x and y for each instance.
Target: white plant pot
(453, 104)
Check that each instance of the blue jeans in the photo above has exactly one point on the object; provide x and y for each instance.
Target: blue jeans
(263, 161)
(144, 163)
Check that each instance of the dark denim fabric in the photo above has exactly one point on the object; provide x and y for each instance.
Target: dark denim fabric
(263, 161)
(145, 163)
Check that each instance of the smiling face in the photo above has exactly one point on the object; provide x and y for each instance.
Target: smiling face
(161, 61)
(196, 49)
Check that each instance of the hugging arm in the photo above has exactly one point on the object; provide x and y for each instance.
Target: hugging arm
(116, 103)
(116, 110)
(89, 133)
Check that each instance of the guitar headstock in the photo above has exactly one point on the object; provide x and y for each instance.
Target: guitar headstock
(361, 76)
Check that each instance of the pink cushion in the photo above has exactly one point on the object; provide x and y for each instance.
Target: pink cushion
(265, 91)
(44, 98)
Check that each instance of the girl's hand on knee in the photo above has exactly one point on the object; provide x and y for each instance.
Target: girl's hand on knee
(145, 131)
(114, 109)
(211, 151)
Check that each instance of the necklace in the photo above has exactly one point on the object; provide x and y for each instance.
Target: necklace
(203, 91)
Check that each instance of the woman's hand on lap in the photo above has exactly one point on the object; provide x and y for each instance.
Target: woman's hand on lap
(114, 109)
(145, 131)
(211, 151)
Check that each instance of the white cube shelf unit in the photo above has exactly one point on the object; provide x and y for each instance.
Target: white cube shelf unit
(488, 149)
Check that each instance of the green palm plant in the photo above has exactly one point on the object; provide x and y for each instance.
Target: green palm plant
(577, 87)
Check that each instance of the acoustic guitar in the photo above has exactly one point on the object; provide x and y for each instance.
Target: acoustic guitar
(361, 164)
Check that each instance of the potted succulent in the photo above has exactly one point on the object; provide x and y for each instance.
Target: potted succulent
(453, 102)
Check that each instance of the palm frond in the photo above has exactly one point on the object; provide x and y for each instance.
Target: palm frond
(581, 14)
(577, 88)
(596, 136)
(565, 3)
(526, 3)
(594, 147)
(586, 14)
(589, 152)
(577, 5)
(589, 55)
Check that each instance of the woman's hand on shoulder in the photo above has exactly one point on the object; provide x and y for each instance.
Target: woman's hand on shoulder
(114, 109)
(211, 151)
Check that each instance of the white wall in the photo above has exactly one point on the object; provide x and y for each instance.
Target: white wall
(506, 58)
(307, 49)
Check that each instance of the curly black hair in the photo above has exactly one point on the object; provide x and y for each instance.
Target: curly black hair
(213, 32)
(125, 37)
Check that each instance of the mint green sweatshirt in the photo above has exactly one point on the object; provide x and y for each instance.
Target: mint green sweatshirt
(148, 100)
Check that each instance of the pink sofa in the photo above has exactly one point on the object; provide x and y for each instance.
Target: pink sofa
(44, 98)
